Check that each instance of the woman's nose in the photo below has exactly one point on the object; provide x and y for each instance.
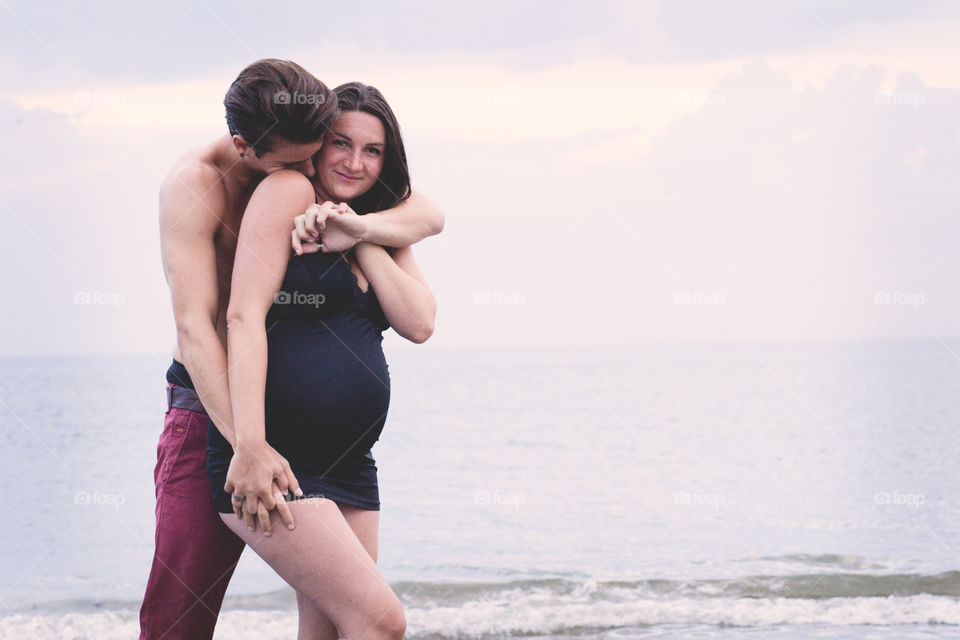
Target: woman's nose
(354, 163)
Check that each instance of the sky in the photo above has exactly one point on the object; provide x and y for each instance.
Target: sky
(611, 172)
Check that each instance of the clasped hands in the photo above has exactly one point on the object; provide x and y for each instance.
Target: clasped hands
(330, 226)
(258, 480)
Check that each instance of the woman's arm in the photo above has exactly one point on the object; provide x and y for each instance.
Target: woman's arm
(263, 251)
(404, 295)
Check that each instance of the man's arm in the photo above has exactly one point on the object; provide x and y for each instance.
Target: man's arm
(190, 202)
(409, 222)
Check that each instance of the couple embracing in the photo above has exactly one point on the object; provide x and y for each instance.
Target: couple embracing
(286, 247)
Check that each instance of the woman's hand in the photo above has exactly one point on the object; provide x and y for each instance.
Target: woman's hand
(310, 224)
(257, 480)
(329, 226)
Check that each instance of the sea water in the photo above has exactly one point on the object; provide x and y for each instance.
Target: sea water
(742, 490)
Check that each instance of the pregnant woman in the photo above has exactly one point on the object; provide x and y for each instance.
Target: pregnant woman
(321, 396)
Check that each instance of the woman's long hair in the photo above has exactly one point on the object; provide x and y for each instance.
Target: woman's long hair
(393, 185)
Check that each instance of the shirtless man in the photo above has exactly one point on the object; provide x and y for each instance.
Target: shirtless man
(277, 114)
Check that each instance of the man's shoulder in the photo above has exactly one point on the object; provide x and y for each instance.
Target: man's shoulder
(193, 198)
(193, 173)
(194, 194)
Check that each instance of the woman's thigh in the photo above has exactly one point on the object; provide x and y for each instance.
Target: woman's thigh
(324, 560)
(365, 524)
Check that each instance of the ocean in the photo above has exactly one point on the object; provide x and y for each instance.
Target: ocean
(728, 491)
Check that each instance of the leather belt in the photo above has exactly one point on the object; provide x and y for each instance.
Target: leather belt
(183, 398)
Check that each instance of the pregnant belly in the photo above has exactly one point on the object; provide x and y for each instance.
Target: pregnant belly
(327, 394)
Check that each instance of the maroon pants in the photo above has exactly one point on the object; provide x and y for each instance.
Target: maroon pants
(195, 552)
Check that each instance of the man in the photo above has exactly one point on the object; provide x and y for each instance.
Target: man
(277, 114)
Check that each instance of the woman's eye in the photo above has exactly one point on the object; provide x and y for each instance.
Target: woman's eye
(340, 143)
(373, 151)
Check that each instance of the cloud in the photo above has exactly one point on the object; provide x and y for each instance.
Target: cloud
(774, 213)
(162, 42)
(796, 206)
(719, 30)
(590, 196)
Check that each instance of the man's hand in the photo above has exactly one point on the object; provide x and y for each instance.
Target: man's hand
(309, 224)
(328, 226)
(257, 480)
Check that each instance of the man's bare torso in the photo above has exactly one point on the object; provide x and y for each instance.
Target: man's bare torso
(211, 174)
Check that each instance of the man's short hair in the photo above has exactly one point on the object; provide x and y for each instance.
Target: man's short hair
(278, 100)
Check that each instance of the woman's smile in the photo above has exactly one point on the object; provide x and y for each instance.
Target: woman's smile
(349, 178)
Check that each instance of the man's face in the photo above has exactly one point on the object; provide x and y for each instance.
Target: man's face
(287, 155)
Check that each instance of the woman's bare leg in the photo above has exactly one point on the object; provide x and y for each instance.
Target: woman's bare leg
(365, 524)
(314, 624)
(327, 564)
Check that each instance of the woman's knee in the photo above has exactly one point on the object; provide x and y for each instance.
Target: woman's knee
(391, 623)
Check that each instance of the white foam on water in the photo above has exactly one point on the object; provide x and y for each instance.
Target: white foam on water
(520, 616)
(123, 625)
(531, 613)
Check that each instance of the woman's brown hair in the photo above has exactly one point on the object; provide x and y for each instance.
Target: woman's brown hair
(393, 186)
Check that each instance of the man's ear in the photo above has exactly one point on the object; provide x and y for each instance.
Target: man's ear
(242, 146)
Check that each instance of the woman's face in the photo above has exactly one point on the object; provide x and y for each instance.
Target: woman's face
(351, 159)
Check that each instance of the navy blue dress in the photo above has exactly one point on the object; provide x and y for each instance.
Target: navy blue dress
(328, 387)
